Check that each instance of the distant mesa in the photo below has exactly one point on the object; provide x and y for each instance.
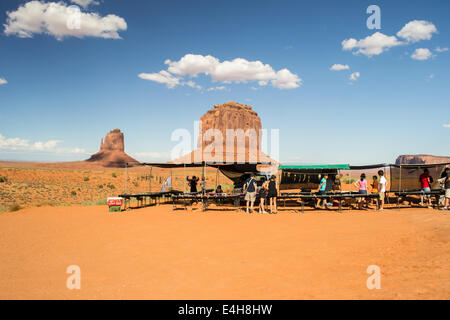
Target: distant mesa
(420, 159)
(230, 115)
(112, 151)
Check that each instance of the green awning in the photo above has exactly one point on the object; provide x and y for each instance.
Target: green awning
(316, 167)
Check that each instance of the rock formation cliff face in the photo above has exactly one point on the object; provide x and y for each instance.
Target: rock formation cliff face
(420, 159)
(112, 151)
(113, 141)
(228, 116)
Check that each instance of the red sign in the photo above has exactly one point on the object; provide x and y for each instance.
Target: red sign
(114, 202)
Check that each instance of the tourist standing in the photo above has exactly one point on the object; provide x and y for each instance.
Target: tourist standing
(447, 192)
(263, 192)
(193, 183)
(425, 185)
(374, 186)
(381, 190)
(322, 190)
(273, 194)
(250, 192)
(362, 186)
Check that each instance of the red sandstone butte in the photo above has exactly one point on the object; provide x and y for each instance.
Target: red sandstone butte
(230, 115)
(112, 151)
(421, 159)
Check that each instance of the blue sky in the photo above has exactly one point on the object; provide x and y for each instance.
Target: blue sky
(63, 90)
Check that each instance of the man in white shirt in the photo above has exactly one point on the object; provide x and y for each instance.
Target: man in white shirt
(382, 189)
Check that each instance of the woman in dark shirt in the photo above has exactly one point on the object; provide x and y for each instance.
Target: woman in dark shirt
(193, 183)
(273, 193)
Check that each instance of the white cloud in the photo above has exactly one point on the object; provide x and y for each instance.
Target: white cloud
(18, 144)
(286, 80)
(237, 70)
(60, 20)
(192, 84)
(339, 67)
(41, 146)
(86, 3)
(12, 143)
(439, 49)
(422, 54)
(162, 77)
(354, 76)
(371, 45)
(446, 125)
(243, 70)
(217, 88)
(3, 81)
(192, 64)
(417, 30)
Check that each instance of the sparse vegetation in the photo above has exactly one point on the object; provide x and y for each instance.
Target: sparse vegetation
(3, 179)
(86, 179)
(114, 175)
(39, 186)
(14, 207)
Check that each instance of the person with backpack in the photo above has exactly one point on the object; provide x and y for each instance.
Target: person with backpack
(250, 192)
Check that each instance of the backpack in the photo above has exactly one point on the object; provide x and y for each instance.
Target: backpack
(251, 185)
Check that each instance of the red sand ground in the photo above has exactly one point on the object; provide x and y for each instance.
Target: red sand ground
(157, 253)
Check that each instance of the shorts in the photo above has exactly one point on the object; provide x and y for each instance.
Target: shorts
(382, 195)
(426, 190)
(263, 194)
(447, 193)
(250, 196)
(322, 193)
(362, 191)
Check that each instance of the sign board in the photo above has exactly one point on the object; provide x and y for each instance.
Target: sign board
(113, 202)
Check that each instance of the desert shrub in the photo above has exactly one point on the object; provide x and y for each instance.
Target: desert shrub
(100, 186)
(86, 179)
(3, 179)
(114, 175)
(100, 202)
(73, 193)
(111, 186)
(135, 183)
(14, 207)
